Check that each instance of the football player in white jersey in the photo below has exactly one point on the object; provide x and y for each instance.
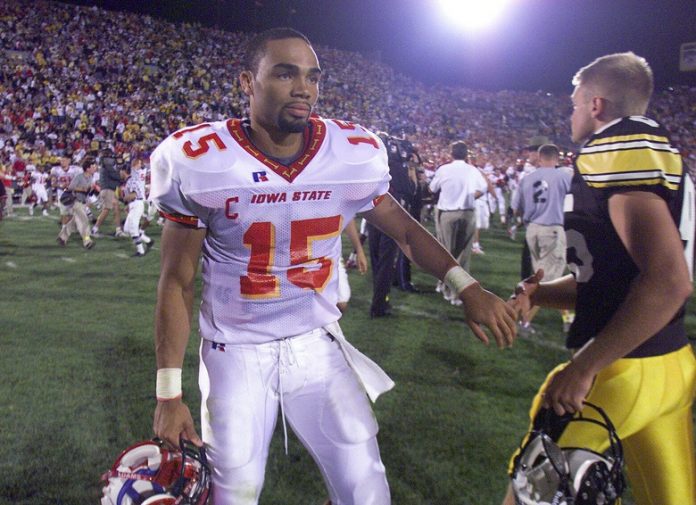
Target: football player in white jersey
(39, 179)
(134, 196)
(61, 177)
(264, 201)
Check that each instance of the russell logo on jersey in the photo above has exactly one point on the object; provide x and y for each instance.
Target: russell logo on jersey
(259, 176)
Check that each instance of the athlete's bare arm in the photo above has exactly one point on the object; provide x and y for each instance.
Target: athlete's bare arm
(481, 306)
(354, 237)
(645, 226)
(180, 251)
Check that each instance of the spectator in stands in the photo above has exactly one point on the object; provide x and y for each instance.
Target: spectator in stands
(61, 89)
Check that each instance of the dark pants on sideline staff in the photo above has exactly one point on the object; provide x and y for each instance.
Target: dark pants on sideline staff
(383, 252)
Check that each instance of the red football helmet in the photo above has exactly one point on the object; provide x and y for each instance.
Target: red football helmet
(148, 474)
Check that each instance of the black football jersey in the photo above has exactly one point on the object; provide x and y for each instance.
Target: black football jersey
(630, 154)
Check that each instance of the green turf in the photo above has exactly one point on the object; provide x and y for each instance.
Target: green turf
(77, 365)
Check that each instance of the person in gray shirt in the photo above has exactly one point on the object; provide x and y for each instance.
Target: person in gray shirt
(75, 200)
(539, 201)
(109, 180)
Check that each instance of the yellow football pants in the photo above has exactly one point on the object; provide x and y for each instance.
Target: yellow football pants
(649, 401)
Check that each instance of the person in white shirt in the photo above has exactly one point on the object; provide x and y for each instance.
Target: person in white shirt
(460, 184)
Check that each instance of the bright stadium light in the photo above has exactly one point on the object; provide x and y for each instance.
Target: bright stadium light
(473, 15)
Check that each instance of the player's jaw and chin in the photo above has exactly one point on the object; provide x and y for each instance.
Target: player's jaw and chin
(294, 117)
(283, 121)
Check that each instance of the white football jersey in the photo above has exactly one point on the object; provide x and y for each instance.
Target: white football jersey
(273, 242)
(64, 177)
(136, 184)
(39, 178)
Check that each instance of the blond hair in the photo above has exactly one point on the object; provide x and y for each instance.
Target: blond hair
(624, 80)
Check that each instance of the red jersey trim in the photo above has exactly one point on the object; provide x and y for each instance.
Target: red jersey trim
(181, 219)
(314, 137)
(378, 200)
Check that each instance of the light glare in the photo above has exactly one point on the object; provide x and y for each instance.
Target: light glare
(473, 15)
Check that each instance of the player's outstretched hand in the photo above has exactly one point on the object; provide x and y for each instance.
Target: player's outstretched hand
(362, 262)
(173, 421)
(521, 299)
(484, 308)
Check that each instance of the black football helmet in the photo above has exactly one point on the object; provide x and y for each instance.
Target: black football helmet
(148, 474)
(546, 474)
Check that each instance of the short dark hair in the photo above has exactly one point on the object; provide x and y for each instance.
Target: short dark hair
(548, 151)
(256, 47)
(459, 150)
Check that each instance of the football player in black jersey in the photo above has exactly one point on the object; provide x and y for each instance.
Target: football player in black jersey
(630, 228)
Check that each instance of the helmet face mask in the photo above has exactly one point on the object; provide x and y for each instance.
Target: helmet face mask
(547, 474)
(148, 474)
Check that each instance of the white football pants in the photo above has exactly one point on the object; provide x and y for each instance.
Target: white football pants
(500, 198)
(483, 213)
(135, 212)
(40, 192)
(343, 284)
(242, 388)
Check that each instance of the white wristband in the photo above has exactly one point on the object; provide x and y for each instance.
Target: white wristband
(168, 384)
(458, 279)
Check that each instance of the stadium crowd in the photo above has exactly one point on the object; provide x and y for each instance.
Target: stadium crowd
(76, 79)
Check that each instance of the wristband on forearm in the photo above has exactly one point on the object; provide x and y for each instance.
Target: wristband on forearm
(168, 385)
(458, 279)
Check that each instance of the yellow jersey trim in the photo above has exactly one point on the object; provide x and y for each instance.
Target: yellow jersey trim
(640, 159)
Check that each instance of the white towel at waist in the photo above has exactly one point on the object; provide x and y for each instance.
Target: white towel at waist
(371, 376)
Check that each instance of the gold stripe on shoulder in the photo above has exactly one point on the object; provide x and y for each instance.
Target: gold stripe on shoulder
(635, 160)
(631, 167)
(628, 138)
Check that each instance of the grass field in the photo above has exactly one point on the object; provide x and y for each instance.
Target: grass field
(77, 368)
